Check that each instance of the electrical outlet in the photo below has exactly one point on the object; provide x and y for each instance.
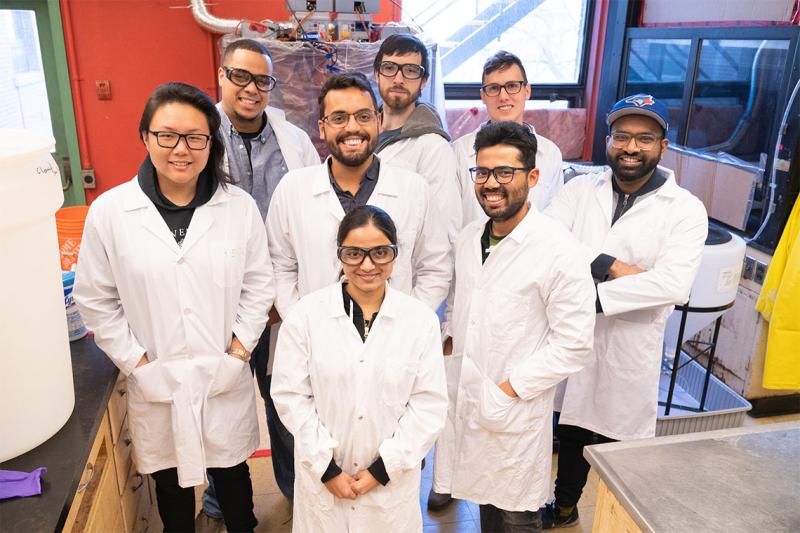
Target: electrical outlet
(760, 273)
(89, 182)
(749, 268)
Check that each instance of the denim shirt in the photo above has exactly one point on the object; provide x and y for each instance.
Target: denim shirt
(259, 173)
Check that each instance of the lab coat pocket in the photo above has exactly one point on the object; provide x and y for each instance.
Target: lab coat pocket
(150, 384)
(495, 408)
(227, 262)
(229, 375)
(398, 380)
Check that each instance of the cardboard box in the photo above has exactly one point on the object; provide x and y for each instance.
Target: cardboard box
(726, 189)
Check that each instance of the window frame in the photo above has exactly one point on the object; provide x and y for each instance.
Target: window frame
(573, 93)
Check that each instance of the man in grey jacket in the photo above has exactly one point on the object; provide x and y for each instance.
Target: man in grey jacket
(260, 147)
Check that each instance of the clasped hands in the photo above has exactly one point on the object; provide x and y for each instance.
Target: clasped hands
(347, 487)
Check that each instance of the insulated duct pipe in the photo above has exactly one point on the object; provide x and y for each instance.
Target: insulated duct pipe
(210, 22)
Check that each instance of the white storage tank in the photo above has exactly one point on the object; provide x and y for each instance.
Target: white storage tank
(36, 393)
(715, 285)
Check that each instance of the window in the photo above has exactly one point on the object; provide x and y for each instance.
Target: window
(23, 94)
(736, 96)
(549, 36)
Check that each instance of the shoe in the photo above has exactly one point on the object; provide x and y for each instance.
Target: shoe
(205, 523)
(437, 502)
(552, 519)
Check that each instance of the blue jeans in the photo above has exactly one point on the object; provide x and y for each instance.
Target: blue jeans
(281, 441)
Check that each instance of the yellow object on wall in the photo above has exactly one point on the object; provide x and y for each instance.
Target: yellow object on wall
(779, 303)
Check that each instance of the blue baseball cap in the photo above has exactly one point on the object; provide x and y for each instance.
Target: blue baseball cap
(640, 104)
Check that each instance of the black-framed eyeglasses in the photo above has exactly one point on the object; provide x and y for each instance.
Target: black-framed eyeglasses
(410, 71)
(379, 255)
(501, 174)
(242, 78)
(645, 141)
(511, 87)
(170, 139)
(339, 119)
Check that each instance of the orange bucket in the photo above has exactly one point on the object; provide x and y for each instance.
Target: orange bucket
(69, 225)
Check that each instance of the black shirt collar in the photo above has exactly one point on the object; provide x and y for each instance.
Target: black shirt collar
(206, 187)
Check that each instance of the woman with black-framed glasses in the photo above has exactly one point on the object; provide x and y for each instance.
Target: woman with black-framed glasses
(175, 279)
(359, 381)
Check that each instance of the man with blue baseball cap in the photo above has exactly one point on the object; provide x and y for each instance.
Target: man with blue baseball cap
(643, 236)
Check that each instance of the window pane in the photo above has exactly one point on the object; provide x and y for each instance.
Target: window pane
(547, 35)
(658, 67)
(735, 96)
(23, 94)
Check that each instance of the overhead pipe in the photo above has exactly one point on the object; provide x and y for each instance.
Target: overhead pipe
(210, 22)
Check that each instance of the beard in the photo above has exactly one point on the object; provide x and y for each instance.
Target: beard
(633, 174)
(398, 101)
(515, 201)
(352, 159)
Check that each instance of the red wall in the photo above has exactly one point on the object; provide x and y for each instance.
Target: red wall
(137, 45)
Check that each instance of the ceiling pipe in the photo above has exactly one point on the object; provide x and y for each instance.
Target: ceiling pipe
(210, 22)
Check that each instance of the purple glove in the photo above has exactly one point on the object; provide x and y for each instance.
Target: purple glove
(16, 484)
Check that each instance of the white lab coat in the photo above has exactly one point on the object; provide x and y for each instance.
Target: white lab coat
(551, 179)
(526, 314)
(548, 161)
(304, 218)
(296, 147)
(664, 233)
(432, 157)
(192, 405)
(351, 401)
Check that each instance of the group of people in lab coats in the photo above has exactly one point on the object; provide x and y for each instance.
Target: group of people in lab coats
(234, 242)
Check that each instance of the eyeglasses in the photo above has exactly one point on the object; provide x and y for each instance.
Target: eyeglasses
(501, 174)
(410, 71)
(379, 255)
(242, 78)
(511, 87)
(339, 119)
(644, 141)
(170, 139)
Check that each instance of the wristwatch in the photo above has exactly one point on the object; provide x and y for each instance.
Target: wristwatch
(240, 353)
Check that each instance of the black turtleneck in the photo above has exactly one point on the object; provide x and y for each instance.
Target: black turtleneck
(176, 217)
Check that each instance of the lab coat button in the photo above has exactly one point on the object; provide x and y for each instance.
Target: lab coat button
(360, 360)
(187, 311)
(355, 464)
(180, 260)
(361, 418)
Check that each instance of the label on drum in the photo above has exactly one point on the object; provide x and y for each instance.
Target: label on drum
(729, 278)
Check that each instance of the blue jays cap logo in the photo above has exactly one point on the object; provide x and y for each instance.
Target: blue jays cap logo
(640, 100)
(640, 104)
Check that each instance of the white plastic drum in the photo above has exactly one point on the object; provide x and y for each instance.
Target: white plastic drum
(715, 285)
(36, 390)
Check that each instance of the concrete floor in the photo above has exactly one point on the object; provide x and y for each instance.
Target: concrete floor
(274, 512)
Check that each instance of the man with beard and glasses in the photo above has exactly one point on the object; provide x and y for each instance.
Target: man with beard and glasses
(522, 320)
(260, 147)
(504, 92)
(411, 134)
(309, 204)
(644, 237)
